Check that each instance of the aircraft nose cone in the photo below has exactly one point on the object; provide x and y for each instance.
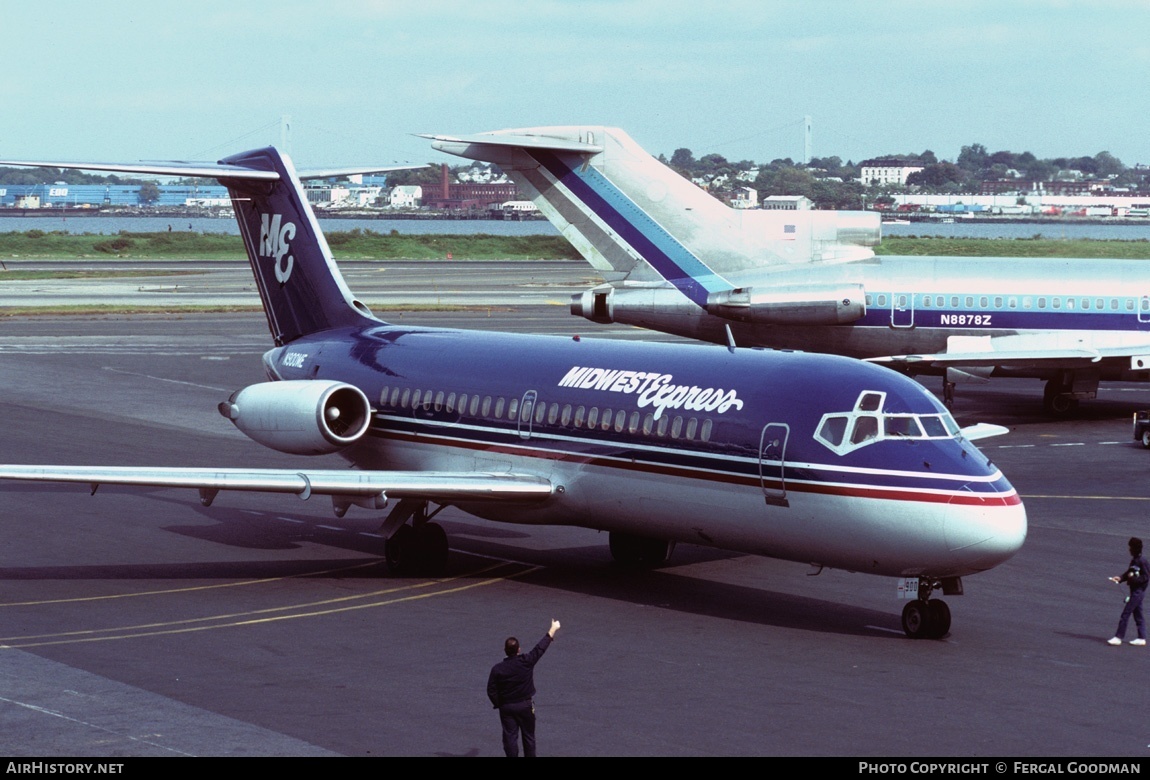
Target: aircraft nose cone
(985, 534)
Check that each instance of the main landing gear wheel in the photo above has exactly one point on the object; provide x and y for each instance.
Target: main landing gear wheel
(631, 550)
(926, 619)
(939, 618)
(418, 551)
(1057, 400)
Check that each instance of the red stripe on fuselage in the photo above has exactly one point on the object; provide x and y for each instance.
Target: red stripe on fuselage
(965, 498)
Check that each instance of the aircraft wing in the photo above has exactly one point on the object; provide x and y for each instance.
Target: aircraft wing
(1026, 350)
(349, 484)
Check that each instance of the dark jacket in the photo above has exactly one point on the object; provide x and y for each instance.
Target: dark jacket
(512, 680)
(1137, 575)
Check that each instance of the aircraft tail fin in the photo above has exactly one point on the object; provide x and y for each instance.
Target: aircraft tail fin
(301, 288)
(638, 221)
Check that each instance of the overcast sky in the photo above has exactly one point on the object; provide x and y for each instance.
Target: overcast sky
(127, 80)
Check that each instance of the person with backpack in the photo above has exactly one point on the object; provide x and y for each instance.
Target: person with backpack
(1136, 577)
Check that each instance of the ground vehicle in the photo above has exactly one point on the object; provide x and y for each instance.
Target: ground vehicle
(1142, 428)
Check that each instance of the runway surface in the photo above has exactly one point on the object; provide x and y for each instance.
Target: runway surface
(487, 284)
(141, 623)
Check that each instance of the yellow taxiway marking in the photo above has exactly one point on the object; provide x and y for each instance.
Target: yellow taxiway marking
(192, 589)
(258, 616)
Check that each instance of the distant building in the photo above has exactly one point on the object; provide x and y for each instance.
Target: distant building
(788, 203)
(746, 198)
(406, 196)
(886, 170)
(95, 195)
(468, 195)
(519, 206)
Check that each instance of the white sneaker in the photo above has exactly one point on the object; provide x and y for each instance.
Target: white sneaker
(1116, 641)
(1138, 642)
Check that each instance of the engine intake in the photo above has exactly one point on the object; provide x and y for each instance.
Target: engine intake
(301, 417)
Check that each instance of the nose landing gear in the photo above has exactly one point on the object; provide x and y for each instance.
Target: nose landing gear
(925, 619)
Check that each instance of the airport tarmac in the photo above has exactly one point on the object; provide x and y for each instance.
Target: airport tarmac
(412, 283)
(141, 623)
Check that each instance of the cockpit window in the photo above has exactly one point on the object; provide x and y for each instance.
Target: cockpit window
(934, 427)
(865, 429)
(866, 424)
(901, 425)
(832, 429)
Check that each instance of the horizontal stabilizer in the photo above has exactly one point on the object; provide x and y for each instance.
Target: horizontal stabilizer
(364, 170)
(156, 167)
(518, 141)
(206, 169)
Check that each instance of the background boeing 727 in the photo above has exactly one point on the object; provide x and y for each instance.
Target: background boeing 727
(810, 458)
(677, 260)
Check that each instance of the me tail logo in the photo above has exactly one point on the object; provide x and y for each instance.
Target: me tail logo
(274, 239)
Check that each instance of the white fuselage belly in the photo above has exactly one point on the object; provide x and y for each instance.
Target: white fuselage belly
(841, 524)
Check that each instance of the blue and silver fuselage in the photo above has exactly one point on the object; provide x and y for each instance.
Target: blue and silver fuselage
(882, 484)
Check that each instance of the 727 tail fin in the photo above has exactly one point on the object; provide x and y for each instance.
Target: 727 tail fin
(637, 221)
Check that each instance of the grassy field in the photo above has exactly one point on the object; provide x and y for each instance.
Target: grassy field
(1012, 247)
(346, 245)
(368, 245)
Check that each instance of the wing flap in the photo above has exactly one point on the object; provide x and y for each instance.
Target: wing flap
(444, 486)
(1024, 350)
(995, 357)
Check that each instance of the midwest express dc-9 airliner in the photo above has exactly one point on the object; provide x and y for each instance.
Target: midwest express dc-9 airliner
(812, 458)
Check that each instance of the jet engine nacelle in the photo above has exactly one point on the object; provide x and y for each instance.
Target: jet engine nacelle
(835, 304)
(827, 304)
(301, 417)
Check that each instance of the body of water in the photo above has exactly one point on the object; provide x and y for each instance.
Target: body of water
(958, 229)
(113, 225)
